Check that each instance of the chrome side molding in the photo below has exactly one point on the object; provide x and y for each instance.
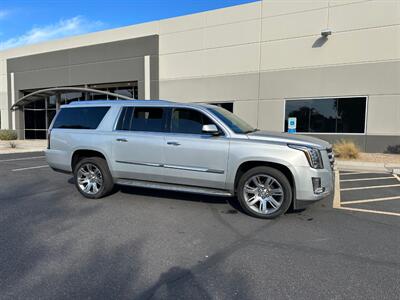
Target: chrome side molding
(195, 169)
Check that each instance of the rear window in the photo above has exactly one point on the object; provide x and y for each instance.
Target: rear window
(80, 117)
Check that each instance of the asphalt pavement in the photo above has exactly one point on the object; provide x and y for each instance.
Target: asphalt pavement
(148, 244)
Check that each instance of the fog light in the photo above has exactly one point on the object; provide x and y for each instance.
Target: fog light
(316, 182)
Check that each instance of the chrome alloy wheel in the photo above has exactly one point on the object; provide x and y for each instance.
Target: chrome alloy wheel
(263, 194)
(90, 179)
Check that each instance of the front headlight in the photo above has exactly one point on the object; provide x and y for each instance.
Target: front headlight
(313, 156)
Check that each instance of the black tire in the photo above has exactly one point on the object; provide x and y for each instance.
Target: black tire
(107, 180)
(285, 199)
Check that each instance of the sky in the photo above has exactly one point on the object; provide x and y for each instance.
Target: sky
(25, 22)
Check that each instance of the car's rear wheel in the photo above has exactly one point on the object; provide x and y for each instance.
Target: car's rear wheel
(93, 178)
(264, 192)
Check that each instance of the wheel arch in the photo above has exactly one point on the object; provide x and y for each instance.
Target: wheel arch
(247, 165)
(79, 154)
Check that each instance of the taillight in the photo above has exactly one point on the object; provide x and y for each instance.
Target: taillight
(48, 138)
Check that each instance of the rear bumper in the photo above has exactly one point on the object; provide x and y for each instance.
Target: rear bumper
(58, 160)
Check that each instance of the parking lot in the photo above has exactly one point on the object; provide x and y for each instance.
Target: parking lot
(370, 192)
(143, 244)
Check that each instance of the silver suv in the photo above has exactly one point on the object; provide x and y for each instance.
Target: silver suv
(195, 148)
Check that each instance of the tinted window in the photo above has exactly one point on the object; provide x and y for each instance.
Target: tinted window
(351, 115)
(301, 111)
(188, 121)
(125, 119)
(323, 115)
(148, 119)
(334, 115)
(80, 117)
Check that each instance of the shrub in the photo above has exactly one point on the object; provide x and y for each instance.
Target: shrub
(346, 149)
(395, 149)
(8, 135)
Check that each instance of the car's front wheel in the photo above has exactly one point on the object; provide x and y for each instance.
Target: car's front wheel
(264, 192)
(93, 178)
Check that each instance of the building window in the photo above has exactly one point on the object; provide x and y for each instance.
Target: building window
(127, 89)
(331, 115)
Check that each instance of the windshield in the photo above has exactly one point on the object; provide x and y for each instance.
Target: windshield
(236, 124)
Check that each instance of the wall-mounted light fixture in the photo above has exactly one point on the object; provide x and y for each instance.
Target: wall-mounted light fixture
(326, 32)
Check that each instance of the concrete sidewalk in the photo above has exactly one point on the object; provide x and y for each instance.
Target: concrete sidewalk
(23, 146)
(368, 166)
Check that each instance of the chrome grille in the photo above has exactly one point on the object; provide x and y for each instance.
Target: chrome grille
(331, 157)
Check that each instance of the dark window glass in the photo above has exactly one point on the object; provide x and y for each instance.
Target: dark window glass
(125, 119)
(226, 105)
(128, 92)
(323, 115)
(188, 121)
(35, 119)
(37, 104)
(334, 115)
(351, 115)
(97, 96)
(80, 117)
(35, 134)
(51, 102)
(148, 119)
(301, 111)
(50, 116)
(73, 96)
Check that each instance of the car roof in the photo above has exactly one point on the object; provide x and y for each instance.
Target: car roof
(163, 103)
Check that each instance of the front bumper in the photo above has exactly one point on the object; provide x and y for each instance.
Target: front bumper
(304, 186)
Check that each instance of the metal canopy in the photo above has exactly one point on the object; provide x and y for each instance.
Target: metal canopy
(37, 95)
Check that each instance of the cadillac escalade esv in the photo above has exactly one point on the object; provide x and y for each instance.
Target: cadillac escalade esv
(197, 148)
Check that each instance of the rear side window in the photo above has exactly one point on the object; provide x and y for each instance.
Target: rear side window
(80, 117)
(142, 119)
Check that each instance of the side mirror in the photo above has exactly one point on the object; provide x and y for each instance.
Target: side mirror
(210, 129)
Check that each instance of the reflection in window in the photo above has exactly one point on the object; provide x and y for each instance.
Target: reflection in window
(333, 115)
(67, 98)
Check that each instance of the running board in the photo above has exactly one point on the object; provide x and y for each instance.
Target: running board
(173, 187)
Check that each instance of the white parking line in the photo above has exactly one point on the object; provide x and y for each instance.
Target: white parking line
(371, 211)
(363, 179)
(337, 203)
(371, 200)
(22, 158)
(370, 187)
(30, 168)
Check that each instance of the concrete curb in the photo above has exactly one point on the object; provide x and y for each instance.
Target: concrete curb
(368, 166)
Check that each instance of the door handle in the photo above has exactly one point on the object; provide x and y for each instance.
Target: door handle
(173, 143)
(121, 140)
